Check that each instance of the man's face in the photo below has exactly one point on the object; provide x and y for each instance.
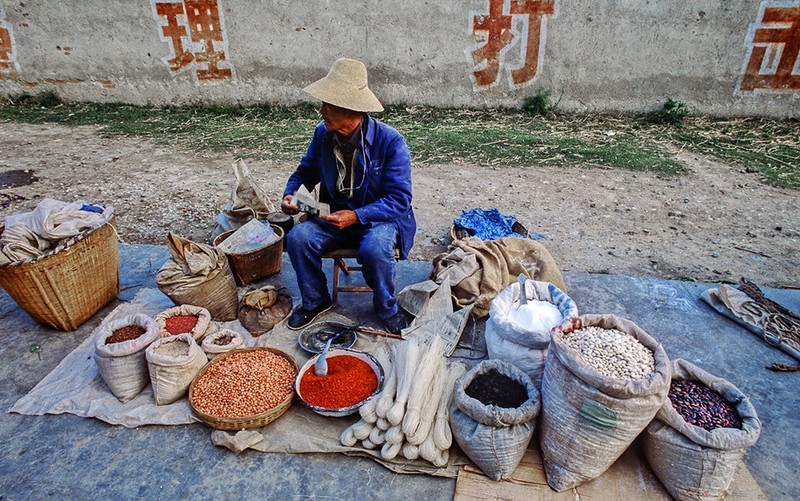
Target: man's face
(338, 119)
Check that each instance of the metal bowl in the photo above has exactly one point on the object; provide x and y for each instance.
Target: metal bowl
(345, 411)
(313, 338)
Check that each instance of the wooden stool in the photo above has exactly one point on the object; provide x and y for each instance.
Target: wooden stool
(338, 256)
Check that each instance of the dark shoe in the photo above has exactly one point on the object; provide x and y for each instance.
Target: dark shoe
(302, 317)
(396, 323)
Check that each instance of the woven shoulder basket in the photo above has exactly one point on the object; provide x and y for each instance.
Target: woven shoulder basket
(256, 264)
(245, 422)
(65, 289)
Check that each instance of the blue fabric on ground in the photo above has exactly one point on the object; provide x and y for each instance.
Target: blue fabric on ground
(489, 224)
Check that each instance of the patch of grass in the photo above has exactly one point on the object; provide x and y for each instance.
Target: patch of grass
(769, 147)
(512, 137)
(672, 112)
(538, 104)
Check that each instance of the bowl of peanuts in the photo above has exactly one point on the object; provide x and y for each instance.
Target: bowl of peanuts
(244, 388)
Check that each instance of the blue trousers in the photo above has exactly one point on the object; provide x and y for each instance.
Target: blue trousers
(306, 242)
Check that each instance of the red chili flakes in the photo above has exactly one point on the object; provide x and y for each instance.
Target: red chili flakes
(179, 324)
(349, 381)
(126, 333)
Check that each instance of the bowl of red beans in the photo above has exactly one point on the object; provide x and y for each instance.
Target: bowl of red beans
(354, 377)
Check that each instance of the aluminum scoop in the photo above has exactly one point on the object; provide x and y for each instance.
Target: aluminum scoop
(321, 365)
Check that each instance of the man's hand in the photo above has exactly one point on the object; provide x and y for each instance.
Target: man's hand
(287, 206)
(341, 219)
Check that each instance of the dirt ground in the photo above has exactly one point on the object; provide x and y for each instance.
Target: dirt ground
(716, 224)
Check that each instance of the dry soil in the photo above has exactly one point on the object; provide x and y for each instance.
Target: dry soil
(717, 223)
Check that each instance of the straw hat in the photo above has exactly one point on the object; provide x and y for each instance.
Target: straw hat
(345, 86)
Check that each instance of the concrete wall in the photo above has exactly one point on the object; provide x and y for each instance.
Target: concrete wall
(591, 55)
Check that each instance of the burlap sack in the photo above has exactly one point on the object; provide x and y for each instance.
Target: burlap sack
(494, 438)
(500, 262)
(172, 363)
(588, 419)
(520, 345)
(213, 347)
(199, 275)
(198, 331)
(261, 309)
(692, 462)
(123, 365)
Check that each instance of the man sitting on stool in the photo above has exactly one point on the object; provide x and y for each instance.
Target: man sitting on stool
(363, 168)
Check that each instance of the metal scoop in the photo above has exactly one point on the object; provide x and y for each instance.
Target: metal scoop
(321, 365)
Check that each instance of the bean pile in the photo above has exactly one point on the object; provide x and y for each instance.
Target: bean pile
(612, 352)
(125, 334)
(179, 324)
(244, 384)
(702, 406)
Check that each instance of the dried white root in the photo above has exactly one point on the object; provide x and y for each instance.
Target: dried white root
(390, 451)
(425, 393)
(361, 429)
(442, 435)
(410, 451)
(377, 436)
(386, 400)
(348, 439)
(404, 382)
(367, 411)
(394, 435)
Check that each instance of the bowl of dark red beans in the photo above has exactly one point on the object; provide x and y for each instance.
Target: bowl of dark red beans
(353, 378)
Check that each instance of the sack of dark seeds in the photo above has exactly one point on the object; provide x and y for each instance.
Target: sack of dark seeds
(604, 380)
(699, 436)
(493, 416)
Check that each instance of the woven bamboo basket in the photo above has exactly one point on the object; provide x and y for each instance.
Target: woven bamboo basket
(458, 233)
(245, 422)
(65, 289)
(256, 264)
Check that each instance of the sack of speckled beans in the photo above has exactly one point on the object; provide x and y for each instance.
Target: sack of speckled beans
(605, 379)
(222, 341)
(493, 416)
(698, 438)
(120, 354)
(172, 363)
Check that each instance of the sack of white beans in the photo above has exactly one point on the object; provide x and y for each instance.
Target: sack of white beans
(698, 459)
(604, 380)
(494, 435)
(121, 359)
(520, 333)
(173, 363)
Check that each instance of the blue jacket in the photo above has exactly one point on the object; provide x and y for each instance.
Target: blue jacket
(385, 194)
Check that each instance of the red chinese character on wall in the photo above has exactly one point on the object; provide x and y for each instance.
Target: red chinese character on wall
(509, 38)
(773, 63)
(8, 59)
(196, 34)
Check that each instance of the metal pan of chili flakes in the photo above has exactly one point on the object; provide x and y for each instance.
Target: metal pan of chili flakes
(314, 337)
